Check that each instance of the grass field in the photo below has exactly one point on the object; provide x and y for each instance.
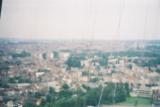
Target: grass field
(131, 102)
(140, 101)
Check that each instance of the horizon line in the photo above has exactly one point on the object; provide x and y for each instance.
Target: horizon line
(71, 39)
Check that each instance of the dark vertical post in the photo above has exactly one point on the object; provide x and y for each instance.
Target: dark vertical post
(0, 7)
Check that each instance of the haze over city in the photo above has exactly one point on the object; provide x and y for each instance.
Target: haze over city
(80, 19)
(80, 53)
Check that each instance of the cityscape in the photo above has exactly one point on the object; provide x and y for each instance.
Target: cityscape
(79, 53)
(79, 73)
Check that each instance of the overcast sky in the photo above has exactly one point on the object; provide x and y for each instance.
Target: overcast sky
(80, 19)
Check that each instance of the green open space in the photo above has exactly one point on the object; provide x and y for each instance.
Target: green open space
(136, 101)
